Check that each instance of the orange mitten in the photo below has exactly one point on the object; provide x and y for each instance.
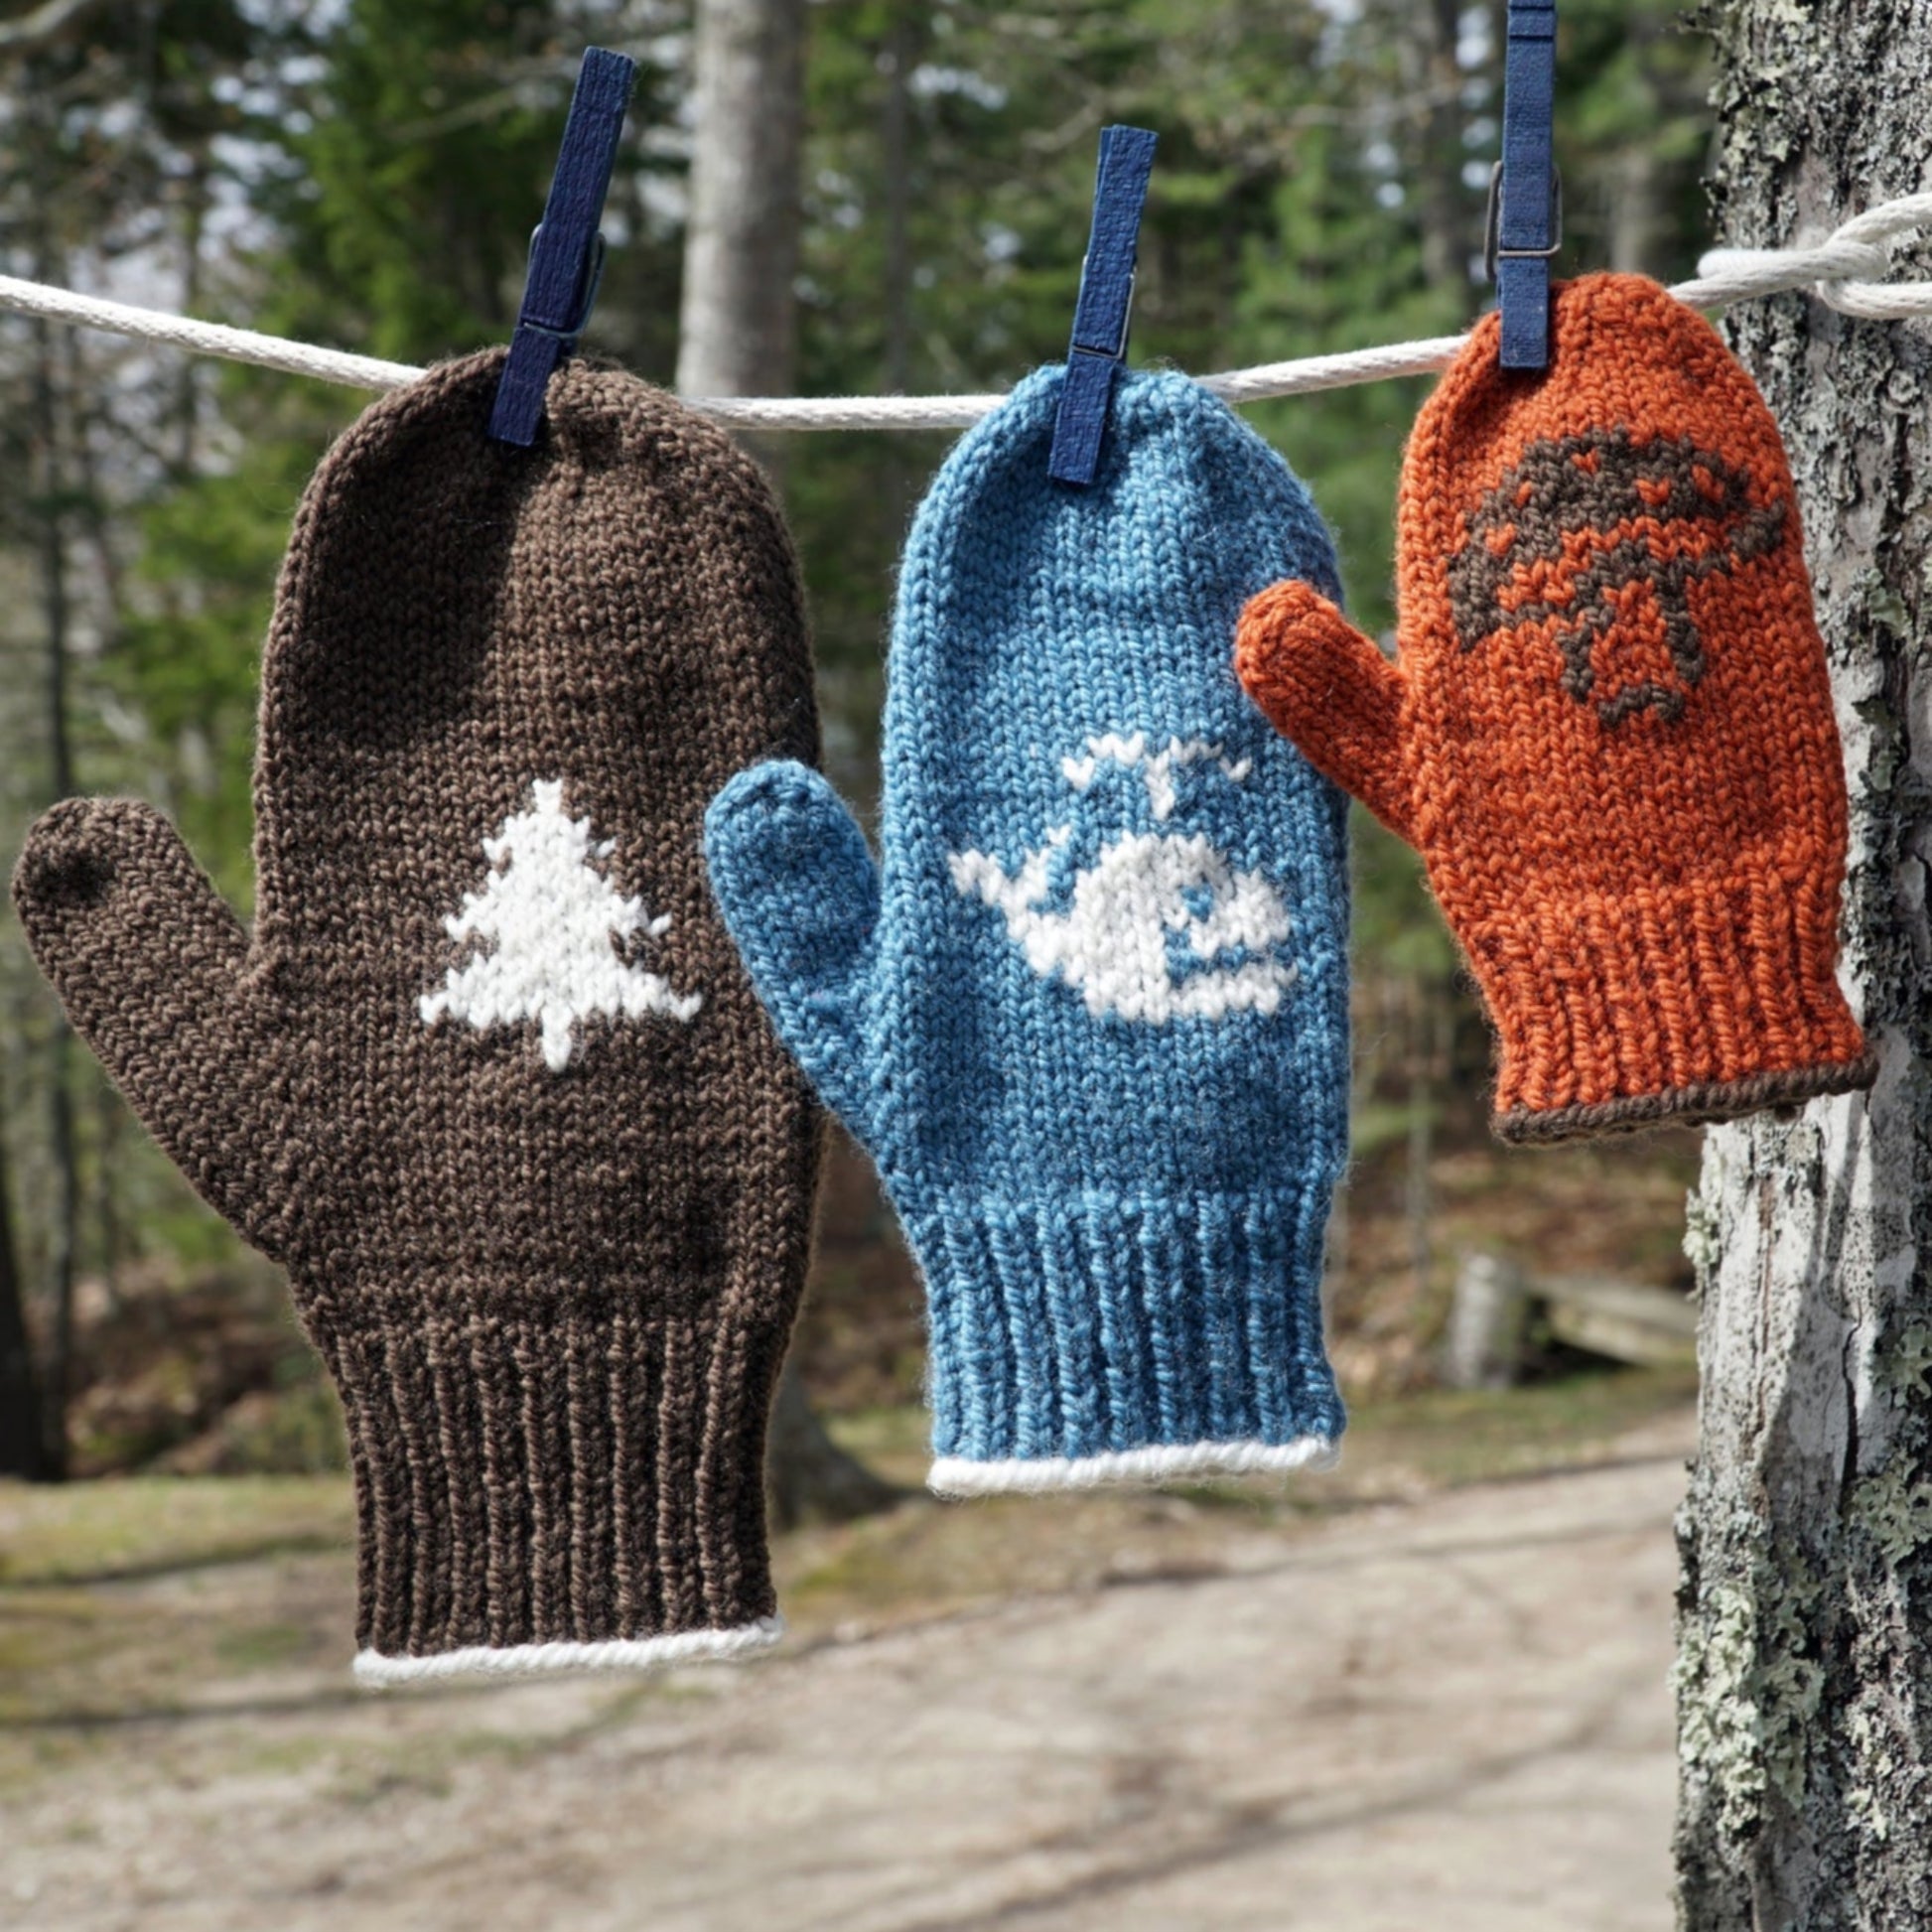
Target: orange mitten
(1609, 729)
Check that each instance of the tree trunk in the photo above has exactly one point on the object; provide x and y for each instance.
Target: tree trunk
(64, 1210)
(736, 322)
(808, 1478)
(905, 43)
(1805, 1650)
(1637, 219)
(21, 1438)
(1447, 241)
(736, 337)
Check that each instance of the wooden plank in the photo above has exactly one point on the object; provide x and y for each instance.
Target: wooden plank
(1625, 1320)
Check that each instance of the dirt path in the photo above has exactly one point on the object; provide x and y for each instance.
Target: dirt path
(1449, 1714)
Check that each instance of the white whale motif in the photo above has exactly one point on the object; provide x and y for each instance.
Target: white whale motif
(1158, 767)
(1113, 945)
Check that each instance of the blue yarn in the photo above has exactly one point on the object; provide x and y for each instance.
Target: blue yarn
(1112, 1156)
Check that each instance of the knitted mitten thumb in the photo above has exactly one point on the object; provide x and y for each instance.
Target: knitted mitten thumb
(799, 892)
(1324, 686)
(151, 966)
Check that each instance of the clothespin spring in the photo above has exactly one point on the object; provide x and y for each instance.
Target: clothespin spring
(1492, 253)
(593, 281)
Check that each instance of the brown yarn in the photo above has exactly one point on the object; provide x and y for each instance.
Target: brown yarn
(555, 1302)
(1693, 1106)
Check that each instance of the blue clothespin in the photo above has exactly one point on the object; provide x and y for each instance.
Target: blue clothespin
(565, 253)
(1525, 194)
(1100, 316)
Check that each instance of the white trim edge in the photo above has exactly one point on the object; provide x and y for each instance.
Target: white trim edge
(956, 1475)
(618, 1653)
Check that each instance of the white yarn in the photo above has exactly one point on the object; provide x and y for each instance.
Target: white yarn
(556, 920)
(1158, 767)
(620, 1653)
(1112, 941)
(955, 1476)
(1826, 268)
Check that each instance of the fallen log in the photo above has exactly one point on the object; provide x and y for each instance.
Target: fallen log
(1498, 1306)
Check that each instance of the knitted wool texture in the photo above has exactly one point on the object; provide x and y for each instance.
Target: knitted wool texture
(1092, 1020)
(1609, 730)
(488, 1077)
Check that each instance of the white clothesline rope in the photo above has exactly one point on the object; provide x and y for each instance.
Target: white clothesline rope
(1845, 271)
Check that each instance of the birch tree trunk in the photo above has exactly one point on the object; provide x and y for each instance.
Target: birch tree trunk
(1804, 1674)
(736, 337)
(736, 321)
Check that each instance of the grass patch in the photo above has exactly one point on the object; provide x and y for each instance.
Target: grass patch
(1443, 1437)
(125, 1527)
(263, 1646)
(895, 1442)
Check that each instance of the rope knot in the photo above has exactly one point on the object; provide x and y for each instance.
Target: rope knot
(1844, 271)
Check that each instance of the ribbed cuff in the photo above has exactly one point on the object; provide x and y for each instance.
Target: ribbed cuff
(549, 1480)
(1110, 1338)
(1695, 1003)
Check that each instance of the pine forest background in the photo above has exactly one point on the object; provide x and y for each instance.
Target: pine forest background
(366, 173)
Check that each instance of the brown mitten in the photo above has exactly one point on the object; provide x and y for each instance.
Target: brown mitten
(488, 1076)
(1609, 733)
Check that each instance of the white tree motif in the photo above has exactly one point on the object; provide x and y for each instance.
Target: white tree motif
(557, 923)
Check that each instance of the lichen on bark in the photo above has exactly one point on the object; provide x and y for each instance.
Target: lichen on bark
(1805, 1646)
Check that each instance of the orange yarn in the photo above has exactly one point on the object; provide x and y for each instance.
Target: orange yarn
(1610, 727)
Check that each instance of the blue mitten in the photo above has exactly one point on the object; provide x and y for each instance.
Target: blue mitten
(1093, 1022)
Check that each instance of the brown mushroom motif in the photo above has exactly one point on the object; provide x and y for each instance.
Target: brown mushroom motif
(1576, 533)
